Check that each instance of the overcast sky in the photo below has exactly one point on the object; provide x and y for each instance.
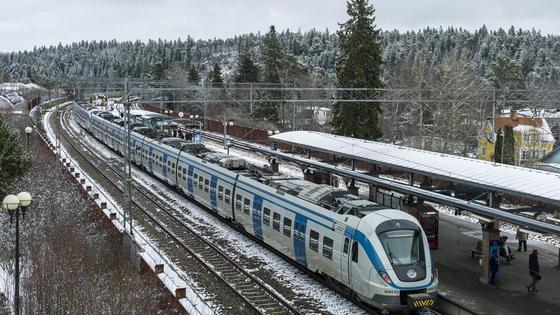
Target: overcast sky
(28, 23)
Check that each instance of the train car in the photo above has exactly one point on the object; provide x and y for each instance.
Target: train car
(379, 255)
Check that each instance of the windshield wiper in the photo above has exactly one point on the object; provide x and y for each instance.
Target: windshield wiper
(390, 253)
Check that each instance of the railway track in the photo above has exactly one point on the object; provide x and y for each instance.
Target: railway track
(249, 290)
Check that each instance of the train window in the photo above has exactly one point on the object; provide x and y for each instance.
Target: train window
(327, 247)
(246, 206)
(206, 184)
(287, 227)
(314, 241)
(184, 170)
(266, 216)
(345, 250)
(355, 251)
(221, 192)
(276, 221)
(238, 199)
(200, 180)
(195, 177)
(227, 199)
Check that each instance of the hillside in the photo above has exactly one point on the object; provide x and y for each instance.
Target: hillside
(530, 54)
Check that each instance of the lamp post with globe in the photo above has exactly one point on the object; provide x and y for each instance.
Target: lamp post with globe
(14, 204)
(226, 140)
(273, 143)
(28, 131)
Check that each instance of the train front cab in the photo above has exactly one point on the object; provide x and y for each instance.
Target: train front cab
(389, 262)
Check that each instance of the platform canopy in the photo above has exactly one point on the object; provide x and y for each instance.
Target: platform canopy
(513, 180)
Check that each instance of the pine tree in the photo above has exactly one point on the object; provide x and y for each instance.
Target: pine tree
(246, 70)
(215, 76)
(505, 144)
(358, 66)
(498, 147)
(13, 160)
(509, 146)
(272, 57)
(157, 71)
(193, 75)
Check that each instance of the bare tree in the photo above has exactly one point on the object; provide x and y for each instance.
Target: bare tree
(455, 114)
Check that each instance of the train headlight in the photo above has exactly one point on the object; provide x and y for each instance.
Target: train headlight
(385, 277)
(435, 274)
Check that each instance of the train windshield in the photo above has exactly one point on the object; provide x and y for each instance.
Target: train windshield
(402, 246)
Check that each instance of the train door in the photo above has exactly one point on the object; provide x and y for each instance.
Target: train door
(299, 239)
(164, 165)
(190, 180)
(346, 258)
(257, 216)
(151, 159)
(213, 193)
(349, 256)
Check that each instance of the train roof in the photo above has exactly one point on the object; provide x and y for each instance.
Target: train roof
(335, 199)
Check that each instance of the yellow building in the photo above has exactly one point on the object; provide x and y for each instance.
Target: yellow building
(533, 138)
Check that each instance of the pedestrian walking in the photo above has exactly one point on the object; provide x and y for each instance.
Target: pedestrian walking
(534, 271)
(494, 265)
(521, 237)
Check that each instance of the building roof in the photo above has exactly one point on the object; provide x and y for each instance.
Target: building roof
(525, 124)
(514, 120)
(529, 183)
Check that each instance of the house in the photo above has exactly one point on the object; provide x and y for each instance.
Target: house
(533, 138)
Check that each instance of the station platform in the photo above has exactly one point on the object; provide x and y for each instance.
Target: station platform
(460, 274)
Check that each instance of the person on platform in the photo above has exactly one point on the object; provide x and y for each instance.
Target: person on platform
(494, 265)
(534, 271)
(521, 237)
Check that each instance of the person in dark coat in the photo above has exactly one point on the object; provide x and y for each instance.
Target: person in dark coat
(494, 265)
(534, 271)
(521, 237)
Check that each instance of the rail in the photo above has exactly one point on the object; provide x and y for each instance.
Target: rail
(239, 285)
(199, 306)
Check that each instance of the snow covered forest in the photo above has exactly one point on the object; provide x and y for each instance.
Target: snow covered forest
(532, 55)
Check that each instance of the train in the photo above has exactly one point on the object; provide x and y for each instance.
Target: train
(377, 255)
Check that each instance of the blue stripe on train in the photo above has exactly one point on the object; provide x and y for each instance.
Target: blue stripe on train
(213, 189)
(189, 179)
(165, 156)
(300, 227)
(150, 159)
(257, 215)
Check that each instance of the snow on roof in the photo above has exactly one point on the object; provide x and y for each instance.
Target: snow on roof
(531, 183)
(543, 130)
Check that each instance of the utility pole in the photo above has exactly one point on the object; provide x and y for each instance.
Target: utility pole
(294, 95)
(126, 161)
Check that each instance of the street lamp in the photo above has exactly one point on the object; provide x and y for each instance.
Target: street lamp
(13, 204)
(226, 124)
(28, 131)
(273, 143)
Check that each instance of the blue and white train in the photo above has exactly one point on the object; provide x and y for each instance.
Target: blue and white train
(379, 255)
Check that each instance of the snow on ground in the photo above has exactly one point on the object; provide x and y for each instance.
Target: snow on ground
(174, 277)
(300, 283)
